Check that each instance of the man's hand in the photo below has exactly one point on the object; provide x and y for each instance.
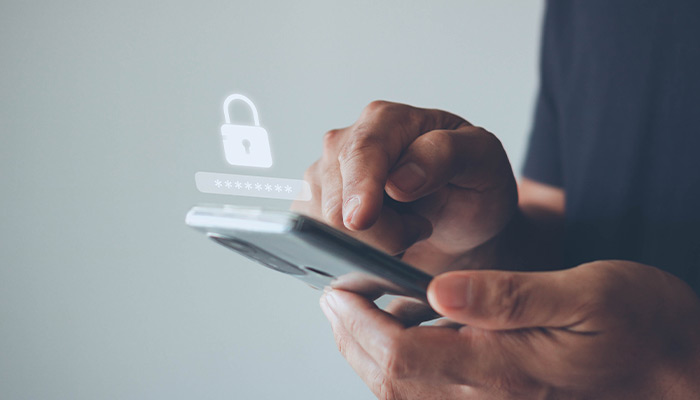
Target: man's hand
(604, 330)
(401, 174)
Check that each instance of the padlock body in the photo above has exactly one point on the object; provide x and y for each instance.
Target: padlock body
(247, 146)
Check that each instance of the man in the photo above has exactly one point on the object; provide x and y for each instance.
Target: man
(608, 212)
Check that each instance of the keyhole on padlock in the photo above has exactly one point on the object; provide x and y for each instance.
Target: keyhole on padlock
(246, 145)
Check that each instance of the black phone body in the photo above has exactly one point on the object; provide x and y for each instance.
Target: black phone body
(308, 250)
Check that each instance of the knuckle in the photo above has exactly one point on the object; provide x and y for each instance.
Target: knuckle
(352, 324)
(367, 141)
(602, 307)
(493, 146)
(401, 114)
(359, 145)
(445, 147)
(491, 139)
(342, 342)
(330, 140)
(385, 389)
(347, 154)
(377, 105)
(487, 141)
(416, 117)
(510, 302)
(395, 362)
(445, 144)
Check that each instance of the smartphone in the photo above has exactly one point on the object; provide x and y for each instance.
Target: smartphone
(308, 250)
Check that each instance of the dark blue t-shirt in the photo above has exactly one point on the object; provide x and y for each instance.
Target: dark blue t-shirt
(617, 126)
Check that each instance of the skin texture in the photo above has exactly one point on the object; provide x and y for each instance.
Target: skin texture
(597, 331)
(439, 192)
(356, 184)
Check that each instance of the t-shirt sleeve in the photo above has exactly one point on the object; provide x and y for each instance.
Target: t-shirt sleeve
(543, 157)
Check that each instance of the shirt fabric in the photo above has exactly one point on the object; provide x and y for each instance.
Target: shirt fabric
(617, 126)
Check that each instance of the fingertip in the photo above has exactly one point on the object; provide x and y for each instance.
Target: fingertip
(350, 208)
(341, 302)
(451, 291)
(359, 213)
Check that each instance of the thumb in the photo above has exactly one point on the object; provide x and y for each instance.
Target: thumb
(465, 157)
(499, 300)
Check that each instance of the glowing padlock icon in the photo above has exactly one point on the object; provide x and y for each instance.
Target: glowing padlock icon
(245, 145)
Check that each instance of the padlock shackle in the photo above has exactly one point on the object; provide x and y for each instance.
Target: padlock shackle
(233, 97)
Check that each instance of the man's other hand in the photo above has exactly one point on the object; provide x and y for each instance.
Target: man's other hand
(603, 330)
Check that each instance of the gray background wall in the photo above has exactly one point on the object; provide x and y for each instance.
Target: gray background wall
(107, 109)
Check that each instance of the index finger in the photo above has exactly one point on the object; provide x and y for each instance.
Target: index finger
(384, 131)
(364, 168)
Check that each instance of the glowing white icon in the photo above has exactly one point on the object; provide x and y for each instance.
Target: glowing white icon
(245, 145)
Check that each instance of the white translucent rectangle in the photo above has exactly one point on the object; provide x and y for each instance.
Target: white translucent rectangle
(253, 186)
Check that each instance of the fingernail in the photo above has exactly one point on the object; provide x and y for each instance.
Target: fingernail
(408, 178)
(350, 209)
(453, 292)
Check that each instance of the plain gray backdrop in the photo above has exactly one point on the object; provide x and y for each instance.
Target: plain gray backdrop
(107, 110)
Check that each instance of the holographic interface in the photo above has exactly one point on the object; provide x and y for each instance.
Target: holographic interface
(253, 186)
(249, 146)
